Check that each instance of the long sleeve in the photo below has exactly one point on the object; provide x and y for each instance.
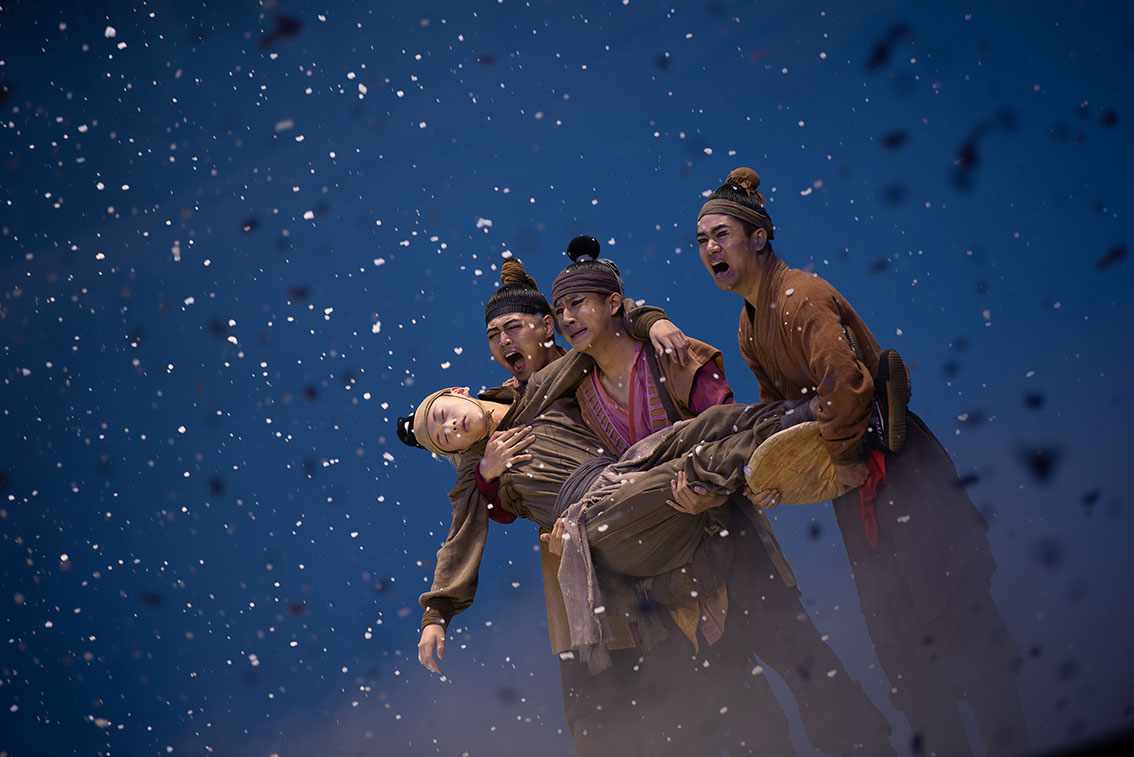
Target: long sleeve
(491, 492)
(639, 319)
(844, 384)
(458, 561)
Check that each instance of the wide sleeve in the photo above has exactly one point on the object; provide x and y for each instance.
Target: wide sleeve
(746, 339)
(458, 560)
(843, 383)
(639, 319)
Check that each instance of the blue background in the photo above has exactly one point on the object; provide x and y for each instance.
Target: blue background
(239, 239)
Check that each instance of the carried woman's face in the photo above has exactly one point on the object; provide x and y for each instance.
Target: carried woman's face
(455, 422)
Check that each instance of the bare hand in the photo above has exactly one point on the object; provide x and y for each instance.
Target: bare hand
(512, 382)
(693, 498)
(432, 638)
(851, 476)
(670, 340)
(556, 538)
(765, 500)
(504, 450)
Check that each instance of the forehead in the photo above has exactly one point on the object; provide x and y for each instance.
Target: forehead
(565, 299)
(447, 402)
(713, 220)
(499, 321)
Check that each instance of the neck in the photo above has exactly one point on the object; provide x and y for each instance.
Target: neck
(750, 288)
(614, 356)
(494, 412)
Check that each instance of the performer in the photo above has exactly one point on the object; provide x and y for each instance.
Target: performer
(626, 395)
(918, 549)
(629, 708)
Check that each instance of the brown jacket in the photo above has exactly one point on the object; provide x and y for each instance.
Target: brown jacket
(794, 342)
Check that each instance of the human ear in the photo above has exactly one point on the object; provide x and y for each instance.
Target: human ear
(615, 302)
(460, 390)
(758, 240)
(548, 327)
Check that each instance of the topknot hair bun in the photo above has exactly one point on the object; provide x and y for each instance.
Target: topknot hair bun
(512, 272)
(583, 247)
(745, 178)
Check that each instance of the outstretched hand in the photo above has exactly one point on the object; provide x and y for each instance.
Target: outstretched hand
(556, 538)
(670, 340)
(432, 639)
(693, 498)
(504, 450)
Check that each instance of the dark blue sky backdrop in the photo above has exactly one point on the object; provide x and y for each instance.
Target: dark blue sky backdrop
(240, 238)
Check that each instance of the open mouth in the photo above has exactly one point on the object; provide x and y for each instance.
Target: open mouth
(516, 362)
(719, 267)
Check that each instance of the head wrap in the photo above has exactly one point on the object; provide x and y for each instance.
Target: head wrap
(518, 294)
(589, 272)
(743, 183)
(416, 427)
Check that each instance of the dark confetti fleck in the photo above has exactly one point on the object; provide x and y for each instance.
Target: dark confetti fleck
(1061, 131)
(1109, 118)
(967, 480)
(1047, 553)
(884, 47)
(1067, 670)
(879, 266)
(951, 368)
(151, 598)
(1041, 462)
(217, 328)
(894, 140)
(216, 486)
(486, 60)
(1008, 119)
(974, 418)
(1113, 255)
(1035, 651)
(295, 609)
(662, 62)
(5, 95)
(894, 194)
(507, 695)
(1034, 400)
(917, 743)
(814, 530)
(284, 27)
(299, 293)
(310, 392)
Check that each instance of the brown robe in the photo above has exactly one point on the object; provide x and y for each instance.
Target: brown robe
(794, 342)
(457, 571)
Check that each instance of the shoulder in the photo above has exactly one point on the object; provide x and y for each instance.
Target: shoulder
(805, 294)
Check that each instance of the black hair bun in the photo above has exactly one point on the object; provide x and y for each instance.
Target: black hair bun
(405, 431)
(583, 247)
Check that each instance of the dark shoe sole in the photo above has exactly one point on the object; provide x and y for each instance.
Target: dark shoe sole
(894, 388)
